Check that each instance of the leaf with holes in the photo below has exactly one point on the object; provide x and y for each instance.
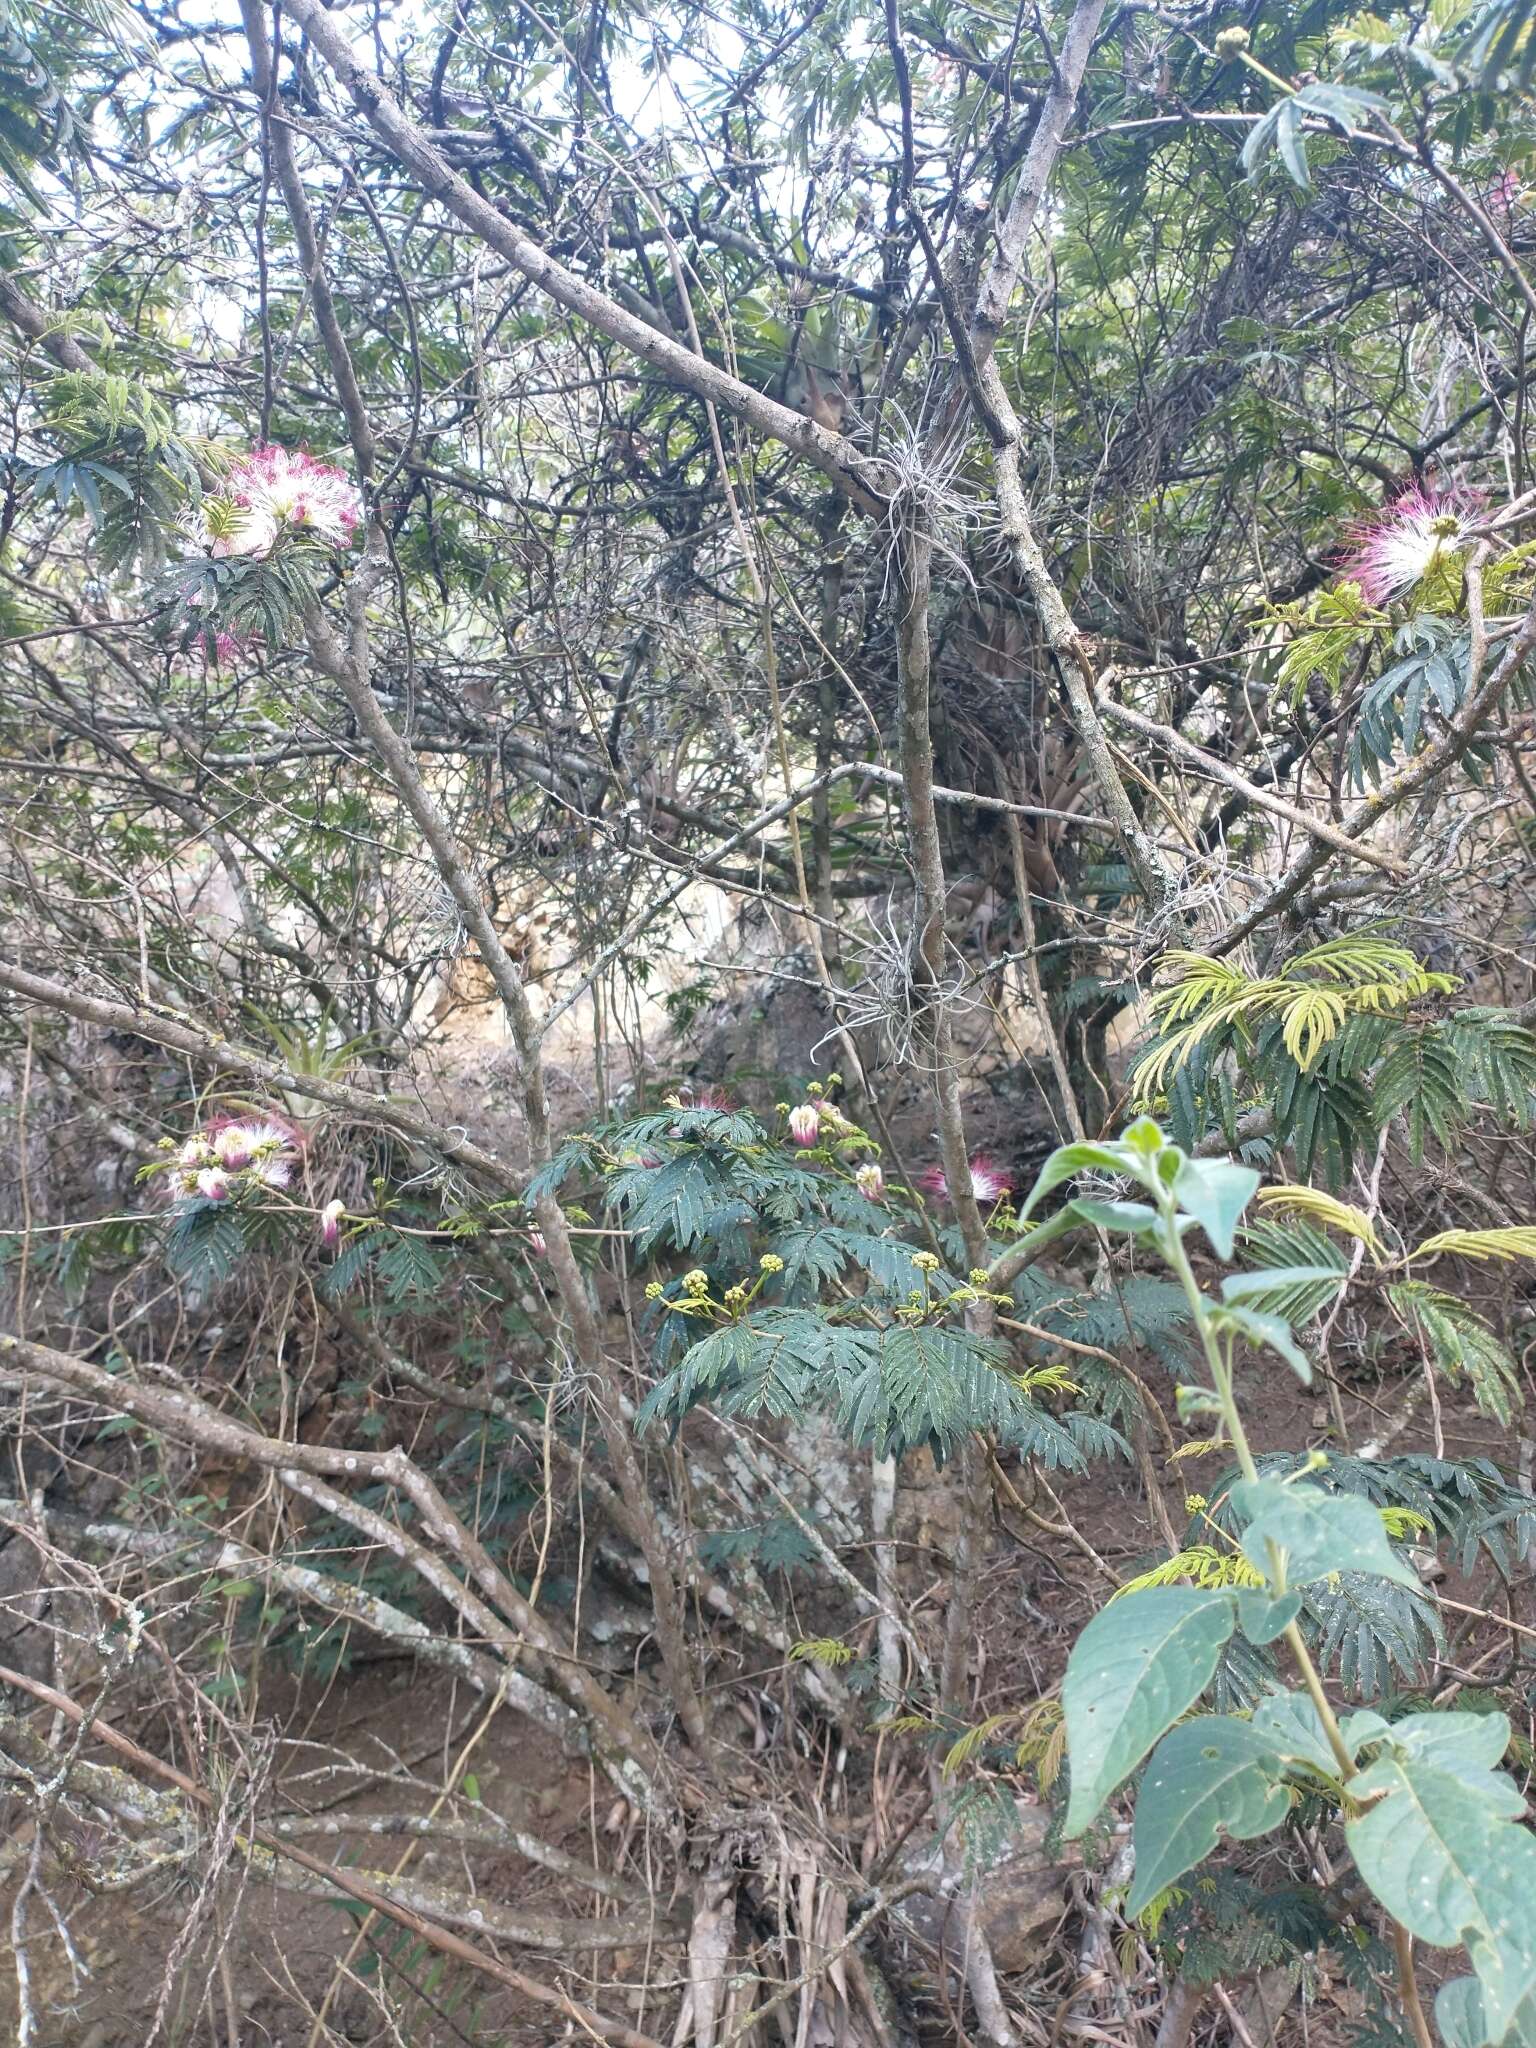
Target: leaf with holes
(1211, 1777)
(1133, 1671)
(1442, 1849)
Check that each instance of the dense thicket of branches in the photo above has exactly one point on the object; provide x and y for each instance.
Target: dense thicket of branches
(641, 656)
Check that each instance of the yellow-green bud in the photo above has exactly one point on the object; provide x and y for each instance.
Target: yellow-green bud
(925, 1262)
(1231, 43)
(655, 1291)
(770, 1262)
(696, 1282)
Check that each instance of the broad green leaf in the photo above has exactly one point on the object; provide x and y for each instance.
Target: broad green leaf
(1211, 1777)
(1442, 1852)
(1215, 1192)
(1261, 1617)
(1470, 1745)
(1291, 143)
(1460, 2017)
(1138, 1665)
(1292, 1726)
(1320, 1533)
(1459, 2014)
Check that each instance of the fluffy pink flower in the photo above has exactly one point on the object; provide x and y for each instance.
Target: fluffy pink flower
(707, 1097)
(330, 1225)
(213, 1184)
(805, 1122)
(1396, 548)
(538, 1244)
(870, 1182)
(298, 493)
(219, 649)
(256, 1144)
(232, 1145)
(270, 492)
(989, 1182)
(1507, 193)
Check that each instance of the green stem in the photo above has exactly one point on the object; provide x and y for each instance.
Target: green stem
(1221, 1382)
(1263, 71)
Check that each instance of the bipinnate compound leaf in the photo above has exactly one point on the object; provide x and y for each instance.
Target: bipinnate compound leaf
(1441, 1846)
(1210, 1777)
(1320, 1533)
(1139, 1664)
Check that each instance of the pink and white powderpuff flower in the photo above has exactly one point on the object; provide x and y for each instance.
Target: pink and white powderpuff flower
(222, 524)
(709, 1096)
(260, 1145)
(1396, 548)
(870, 1182)
(989, 1182)
(221, 650)
(330, 1225)
(805, 1122)
(213, 1184)
(297, 494)
(538, 1244)
(272, 492)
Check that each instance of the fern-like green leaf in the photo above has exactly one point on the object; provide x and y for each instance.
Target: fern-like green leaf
(1459, 1343)
(1420, 1078)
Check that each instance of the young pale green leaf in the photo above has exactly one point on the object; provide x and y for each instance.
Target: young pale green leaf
(1138, 1665)
(1362, 1727)
(1265, 1331)
(1210, 1777)
(1131, 1216)
(1320, 1533)
(1261, 1617)
(1145, 1138)
(1215, 1192)
(1253, 1290)
(1192, 1401)
(1442, 1851)
(1069, 1160)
